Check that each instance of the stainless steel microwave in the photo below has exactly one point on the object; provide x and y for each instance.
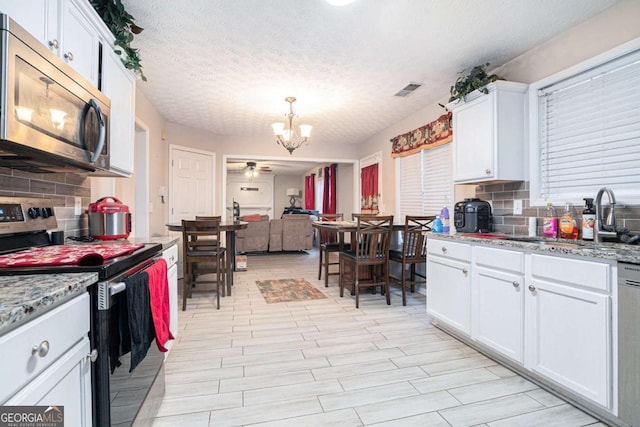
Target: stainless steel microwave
(51, 118)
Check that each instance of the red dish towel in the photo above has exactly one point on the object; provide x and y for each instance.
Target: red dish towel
(68, 255)
(159, 291)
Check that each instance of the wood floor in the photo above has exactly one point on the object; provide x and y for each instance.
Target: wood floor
(322, 362)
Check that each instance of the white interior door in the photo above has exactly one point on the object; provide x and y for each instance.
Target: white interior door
(191, 189)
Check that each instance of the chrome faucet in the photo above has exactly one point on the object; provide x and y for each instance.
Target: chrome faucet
(608, 228)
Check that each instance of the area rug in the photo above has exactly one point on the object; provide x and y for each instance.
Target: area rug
(288, 290)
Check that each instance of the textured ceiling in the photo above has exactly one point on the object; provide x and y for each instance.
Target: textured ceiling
(227, 65)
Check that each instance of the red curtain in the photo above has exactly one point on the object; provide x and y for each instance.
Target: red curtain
(325, 193)
(310, 191)
(332, 191)
(329, 194)
(369, 185)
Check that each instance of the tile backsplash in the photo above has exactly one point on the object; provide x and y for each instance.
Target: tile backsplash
(502, 196)
(61, 188)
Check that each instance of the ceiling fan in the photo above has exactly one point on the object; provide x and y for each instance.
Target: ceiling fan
(252, 170)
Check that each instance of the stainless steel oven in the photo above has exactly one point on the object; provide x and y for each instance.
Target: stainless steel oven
(51, 118)
(120, 396)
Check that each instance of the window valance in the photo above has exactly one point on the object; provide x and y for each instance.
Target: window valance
(431, 135)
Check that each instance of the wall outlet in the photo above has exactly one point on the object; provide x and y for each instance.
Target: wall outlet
(77, 206)
(517, 207)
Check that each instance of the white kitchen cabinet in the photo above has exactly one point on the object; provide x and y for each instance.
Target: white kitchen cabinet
(64, 27)
(41, 18)
(171, 256)
(119, 85)
(489, 134)
(569, 331)
(551, 315)
(497, 296)
(46, 362)
(449, 283)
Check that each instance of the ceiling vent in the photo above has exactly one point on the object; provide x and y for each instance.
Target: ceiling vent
(408, 89)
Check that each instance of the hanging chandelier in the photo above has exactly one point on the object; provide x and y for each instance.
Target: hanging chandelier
(287, 137)
(251, 171)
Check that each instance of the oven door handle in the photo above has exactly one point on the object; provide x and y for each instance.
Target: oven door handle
(116, 288)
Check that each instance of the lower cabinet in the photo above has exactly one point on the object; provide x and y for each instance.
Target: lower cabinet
(552, 315)
(47, 362)
(66, 383)
(569, 338)
(498, 311)
(170, 255)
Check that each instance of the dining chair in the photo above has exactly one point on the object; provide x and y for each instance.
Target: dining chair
(413, 252)
(200, 257)
(330, 242)
(369, 251)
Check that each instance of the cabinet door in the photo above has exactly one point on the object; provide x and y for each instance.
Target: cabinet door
(80, 44)
(119, 86)
(65, 383)
(449, 292)
(172, 275)
(569, 338)
(498, 311)
(474, 139)
(39, 17)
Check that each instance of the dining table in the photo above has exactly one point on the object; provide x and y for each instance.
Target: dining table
(230, 228)
(342, 227)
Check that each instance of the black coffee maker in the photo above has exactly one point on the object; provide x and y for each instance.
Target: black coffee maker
(472, 216)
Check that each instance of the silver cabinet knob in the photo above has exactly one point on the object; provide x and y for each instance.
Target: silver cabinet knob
(444, 250)
(54, 44)
(532, 288)
(515, 284)
(40, 350)
(464, 271)
(68, 56)
(487, 171)
(93, 356)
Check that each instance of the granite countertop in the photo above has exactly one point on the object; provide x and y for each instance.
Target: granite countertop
(22, 298)
(165, 241)
(609, 251)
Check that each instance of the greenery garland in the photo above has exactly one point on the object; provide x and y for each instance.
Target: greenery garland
(123, 27)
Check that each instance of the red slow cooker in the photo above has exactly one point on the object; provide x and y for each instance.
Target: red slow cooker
(109, 219)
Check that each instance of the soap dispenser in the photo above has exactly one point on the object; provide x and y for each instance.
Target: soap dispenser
(568, 224)
(588, 219)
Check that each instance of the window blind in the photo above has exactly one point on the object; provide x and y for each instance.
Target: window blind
(437, 179)
(425, 181)
(589, 133)
(410, 185)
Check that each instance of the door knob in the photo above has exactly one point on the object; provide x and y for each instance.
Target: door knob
(54, 44)
(532, 288)
(515, 284)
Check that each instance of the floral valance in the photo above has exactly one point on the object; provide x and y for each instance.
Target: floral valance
(431, 135)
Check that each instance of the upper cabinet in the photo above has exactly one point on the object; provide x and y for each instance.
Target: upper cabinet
(63, 27)
(118, 84)
(489, 134)
(74, 32)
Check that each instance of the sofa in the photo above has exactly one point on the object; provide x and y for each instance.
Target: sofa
(254, 238)
(291, 233)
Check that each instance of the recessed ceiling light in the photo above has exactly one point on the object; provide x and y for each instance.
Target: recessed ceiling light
(339, 2)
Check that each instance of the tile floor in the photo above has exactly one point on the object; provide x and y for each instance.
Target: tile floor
(322, 362)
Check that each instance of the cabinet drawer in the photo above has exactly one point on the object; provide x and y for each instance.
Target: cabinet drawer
(572, 271)
(500, 258)
(453, 250)
(61, 328)
(170, 255)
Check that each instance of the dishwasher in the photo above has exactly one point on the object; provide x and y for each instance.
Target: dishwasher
(629, 343)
